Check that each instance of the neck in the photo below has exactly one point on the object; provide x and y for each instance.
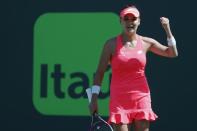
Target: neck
(129, 36)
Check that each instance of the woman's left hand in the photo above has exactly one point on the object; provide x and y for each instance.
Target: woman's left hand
(164, 22)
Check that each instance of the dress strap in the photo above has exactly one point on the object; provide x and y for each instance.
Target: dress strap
(139, 42)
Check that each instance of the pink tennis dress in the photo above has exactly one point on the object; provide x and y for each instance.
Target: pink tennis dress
(129, 91)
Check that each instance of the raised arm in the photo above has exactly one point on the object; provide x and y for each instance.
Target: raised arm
(158, 48)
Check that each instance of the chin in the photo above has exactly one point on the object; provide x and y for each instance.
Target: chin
(130, 31)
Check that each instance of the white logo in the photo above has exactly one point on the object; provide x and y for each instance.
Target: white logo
(139, 52)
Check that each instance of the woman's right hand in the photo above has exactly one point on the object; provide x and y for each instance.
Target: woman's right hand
(93, 106)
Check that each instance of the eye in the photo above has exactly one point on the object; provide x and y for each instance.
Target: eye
(129, 18)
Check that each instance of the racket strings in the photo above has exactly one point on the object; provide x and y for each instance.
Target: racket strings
(100, 124)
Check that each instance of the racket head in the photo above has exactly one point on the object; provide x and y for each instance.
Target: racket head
(99, 124)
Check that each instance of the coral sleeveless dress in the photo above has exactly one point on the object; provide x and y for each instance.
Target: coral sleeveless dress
(129, 91)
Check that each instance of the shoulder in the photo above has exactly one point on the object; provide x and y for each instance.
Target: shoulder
(110, 44)
(148, 40)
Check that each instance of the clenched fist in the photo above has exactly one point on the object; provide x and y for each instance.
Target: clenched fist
(166, 25)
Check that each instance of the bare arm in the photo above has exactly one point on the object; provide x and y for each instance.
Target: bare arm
(103, 63)
(158, 48)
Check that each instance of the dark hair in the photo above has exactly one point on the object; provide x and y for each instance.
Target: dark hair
(128, 5)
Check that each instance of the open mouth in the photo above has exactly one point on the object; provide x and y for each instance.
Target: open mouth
(131, 27)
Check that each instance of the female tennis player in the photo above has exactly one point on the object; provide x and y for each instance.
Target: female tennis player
(130, 100)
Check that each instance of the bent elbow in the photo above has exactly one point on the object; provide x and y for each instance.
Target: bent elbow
(173, 55)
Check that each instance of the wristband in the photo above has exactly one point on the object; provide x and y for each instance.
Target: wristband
(96, 89)
(89, 94)
(171, 41)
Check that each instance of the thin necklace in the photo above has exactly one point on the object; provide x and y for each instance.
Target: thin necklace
(131, 44)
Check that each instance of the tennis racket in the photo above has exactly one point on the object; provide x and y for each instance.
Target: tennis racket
(99, 124)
